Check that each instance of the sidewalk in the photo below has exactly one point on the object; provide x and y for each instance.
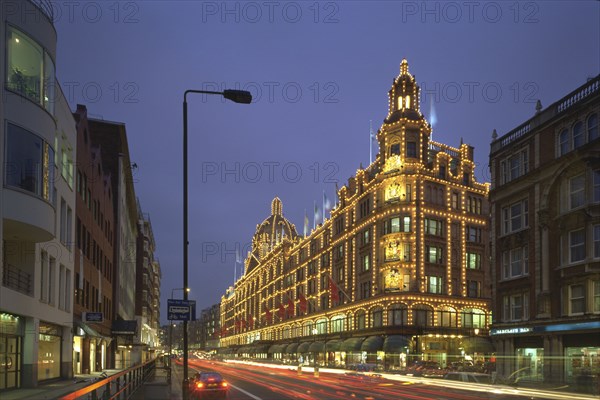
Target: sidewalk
(158, 388)
(55, 389)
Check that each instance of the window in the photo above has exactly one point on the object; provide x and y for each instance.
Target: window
(434, 254)
(339, 225)
(30, 69)
(577, 245)
(576, 299)
(563, 142)
(44, 277)
(515, 263)
(364, 237)
(365, 208)
(51, 279)
(411, 149)
(447, 317)
(361, 320)
(596, 241)
(366, 262)
(442, 172)
(596, 292)
(434, 284)
(433, 227)
(473, 318)
(473, 261)
(515, 217)
(466, 178)
(474, 205)
(578, 137)
(339, 252)
(516, 307)
(455, 200)
(377, 317)
(474, 234)
(596, 185)
(473, 289)
(61, 287)
(395, 149)
(422, 315)
(397, 224)
(398, 315)
(577, 191)
(592, 127)
(514, 167)
(324, 259)
(365, 290)
(29, 163)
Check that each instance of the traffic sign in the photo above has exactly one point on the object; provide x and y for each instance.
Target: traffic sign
(181, 310)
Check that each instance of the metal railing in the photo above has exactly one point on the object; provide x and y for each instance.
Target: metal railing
(118, 386)
(15, 278)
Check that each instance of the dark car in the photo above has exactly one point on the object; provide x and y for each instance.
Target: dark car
(209, 384)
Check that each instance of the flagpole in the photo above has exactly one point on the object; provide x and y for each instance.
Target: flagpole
(370, 142)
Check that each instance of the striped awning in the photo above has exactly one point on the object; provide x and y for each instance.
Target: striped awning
(316, 347)
(395, 344)
(352, 344)
(372, 344)
(292, 348)
(303, 347)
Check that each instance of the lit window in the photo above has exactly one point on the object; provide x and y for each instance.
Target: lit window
(407, 101)
(577, 191)
(455, 201)
(433, 227)
(577, 299)
(434, 254)
(473, 261)
(434, 284)
(577, 245)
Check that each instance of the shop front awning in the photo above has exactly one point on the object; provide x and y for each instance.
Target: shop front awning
(292, 348)
(333, 345)
(352, 345)
(245, 350)
(303, 347)
(84, 329)
(260, 348)
(316, 347)
(477, 344)
(396, 344)
(277, 348)
(372, 344)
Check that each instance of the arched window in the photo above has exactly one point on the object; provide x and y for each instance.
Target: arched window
(447, 316)
(407, 101)
(377, 317)
(563, 142)
(473, 318)
(286, 332)
(338, 323)
(578, 137)
(592, 127)
(322, 326)
(360, 320)
(399, 102)
(422, 315)
(307, 329)
(398, 315)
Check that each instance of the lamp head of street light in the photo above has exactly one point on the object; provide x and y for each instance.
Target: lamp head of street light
(238, 96)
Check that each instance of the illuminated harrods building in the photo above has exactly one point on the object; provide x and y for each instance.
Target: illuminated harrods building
(399, 272)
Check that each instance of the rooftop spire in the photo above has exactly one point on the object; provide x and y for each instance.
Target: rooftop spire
(404, 67)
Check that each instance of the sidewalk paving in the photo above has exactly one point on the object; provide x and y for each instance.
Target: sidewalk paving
(158, 388)
(55, 388)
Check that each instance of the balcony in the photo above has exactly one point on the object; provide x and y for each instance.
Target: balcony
(17, 279)
(27, 217)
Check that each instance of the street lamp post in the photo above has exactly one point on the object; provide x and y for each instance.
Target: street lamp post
(237, 96)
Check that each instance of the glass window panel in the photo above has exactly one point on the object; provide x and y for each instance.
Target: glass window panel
(25, 63)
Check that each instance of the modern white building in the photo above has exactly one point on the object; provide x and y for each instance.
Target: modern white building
(37, 202)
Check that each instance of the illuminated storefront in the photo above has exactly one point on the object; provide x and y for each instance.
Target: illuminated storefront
(11, 339)
(398, 273)
(49, 351)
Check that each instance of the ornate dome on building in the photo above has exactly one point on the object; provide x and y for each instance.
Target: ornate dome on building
(269, 234)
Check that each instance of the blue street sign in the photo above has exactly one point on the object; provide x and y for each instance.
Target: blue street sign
(181, 310)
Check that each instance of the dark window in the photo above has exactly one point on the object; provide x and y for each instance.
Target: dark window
(395, 149)
(411, 149)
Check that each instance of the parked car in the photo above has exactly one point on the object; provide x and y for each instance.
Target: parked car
(425, 368)
(209, 384)
(470, 377)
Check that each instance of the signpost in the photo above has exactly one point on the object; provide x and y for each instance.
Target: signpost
(181, 310)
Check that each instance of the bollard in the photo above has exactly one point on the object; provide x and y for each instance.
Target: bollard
(316, 371)
(299, 369)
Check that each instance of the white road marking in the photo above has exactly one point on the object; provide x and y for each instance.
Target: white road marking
(245, 392)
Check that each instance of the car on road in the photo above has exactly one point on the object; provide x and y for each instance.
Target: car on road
(209, 385)
(471, 377)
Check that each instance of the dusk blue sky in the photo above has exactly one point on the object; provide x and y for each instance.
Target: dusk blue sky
(319, 73)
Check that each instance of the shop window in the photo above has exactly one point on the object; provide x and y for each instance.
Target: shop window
(530, 363)
(473, 318)
(398, 315)
(377, 317)
(422, 315)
